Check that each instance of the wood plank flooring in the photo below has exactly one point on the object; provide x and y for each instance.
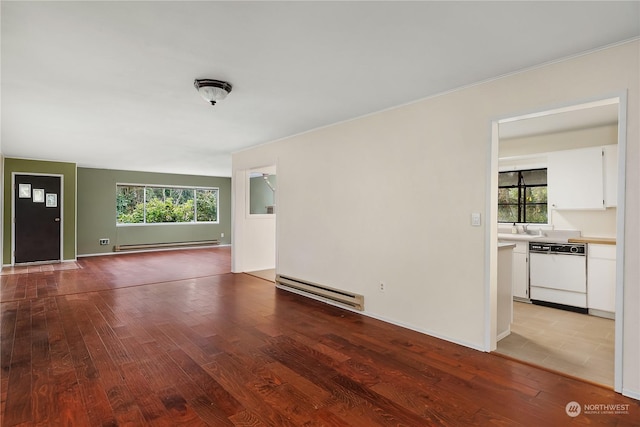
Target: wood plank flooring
(174, 339)
(115, 271)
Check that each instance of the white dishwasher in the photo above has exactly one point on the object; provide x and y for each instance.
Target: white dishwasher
(558, 275)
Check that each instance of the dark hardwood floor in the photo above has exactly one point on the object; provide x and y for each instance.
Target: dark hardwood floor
(173, 338)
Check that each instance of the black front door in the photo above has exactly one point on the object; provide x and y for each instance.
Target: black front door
(37, 218)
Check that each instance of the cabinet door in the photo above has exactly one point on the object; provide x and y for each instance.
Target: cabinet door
(601, 277)
(520, 276)
(575, 179)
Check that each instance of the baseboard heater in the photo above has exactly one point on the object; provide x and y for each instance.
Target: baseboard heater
(143, 246)
(313, 289)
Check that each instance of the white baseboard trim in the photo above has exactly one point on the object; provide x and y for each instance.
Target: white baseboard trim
(504, 334)
(634, 394)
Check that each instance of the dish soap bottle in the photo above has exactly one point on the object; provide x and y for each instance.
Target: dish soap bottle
(514, 229)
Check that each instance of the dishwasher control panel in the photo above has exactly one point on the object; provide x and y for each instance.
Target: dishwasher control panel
(558, 248)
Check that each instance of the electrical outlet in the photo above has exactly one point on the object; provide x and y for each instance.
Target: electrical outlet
(382, 287)
(103, 241)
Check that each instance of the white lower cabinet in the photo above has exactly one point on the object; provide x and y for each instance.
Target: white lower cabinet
(520, 271)
(601, 279)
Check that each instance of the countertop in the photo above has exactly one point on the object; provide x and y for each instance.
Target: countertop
(519, 237)
(553, 236)
(595, 240)
(506, 245)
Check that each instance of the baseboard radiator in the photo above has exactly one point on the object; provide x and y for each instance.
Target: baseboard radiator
(150, 246)
(338, 296)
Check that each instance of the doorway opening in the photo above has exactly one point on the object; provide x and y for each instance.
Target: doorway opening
(255, 228)
(538, 140)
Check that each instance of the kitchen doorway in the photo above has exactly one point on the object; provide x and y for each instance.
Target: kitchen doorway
(525, 140)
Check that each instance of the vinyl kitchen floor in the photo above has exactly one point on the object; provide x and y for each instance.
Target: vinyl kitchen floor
(575, 344)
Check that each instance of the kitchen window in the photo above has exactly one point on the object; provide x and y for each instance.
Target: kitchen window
(146, 204)
(522, 196)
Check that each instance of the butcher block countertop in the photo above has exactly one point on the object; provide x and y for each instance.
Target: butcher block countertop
(596, 240)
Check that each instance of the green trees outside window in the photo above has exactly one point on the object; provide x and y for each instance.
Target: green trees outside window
(140, 204)
(522, 196)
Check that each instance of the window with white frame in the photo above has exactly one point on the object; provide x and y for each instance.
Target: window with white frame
(149, 204)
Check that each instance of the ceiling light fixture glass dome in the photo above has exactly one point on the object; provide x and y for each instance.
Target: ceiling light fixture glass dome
(212, 90)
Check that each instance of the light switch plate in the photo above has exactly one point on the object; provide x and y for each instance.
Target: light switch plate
(475, 219)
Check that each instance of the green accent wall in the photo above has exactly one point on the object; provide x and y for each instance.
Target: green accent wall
(68, 171)
(97, 211)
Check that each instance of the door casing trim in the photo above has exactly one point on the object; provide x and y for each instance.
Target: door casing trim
(13, 214)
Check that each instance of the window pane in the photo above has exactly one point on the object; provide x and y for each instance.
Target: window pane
(535, 177)
(179, 196)
(155, 193)
(169, 205)
(507, 195)
(129, 204)
(507, 213)
(536, 214)
(207, 205)
(536, 195)
(156, 210)
(183, 204)
(508, 179)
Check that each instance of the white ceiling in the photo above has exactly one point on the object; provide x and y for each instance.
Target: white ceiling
(110, 84)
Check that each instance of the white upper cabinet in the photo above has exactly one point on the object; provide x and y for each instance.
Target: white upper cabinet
(576, 178)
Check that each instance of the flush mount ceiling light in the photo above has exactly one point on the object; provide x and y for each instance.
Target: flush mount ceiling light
(212, 90)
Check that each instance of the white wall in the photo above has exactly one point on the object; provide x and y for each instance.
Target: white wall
(590, 223)
(429, 162)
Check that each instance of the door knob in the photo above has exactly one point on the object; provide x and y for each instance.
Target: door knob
(57, 220)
